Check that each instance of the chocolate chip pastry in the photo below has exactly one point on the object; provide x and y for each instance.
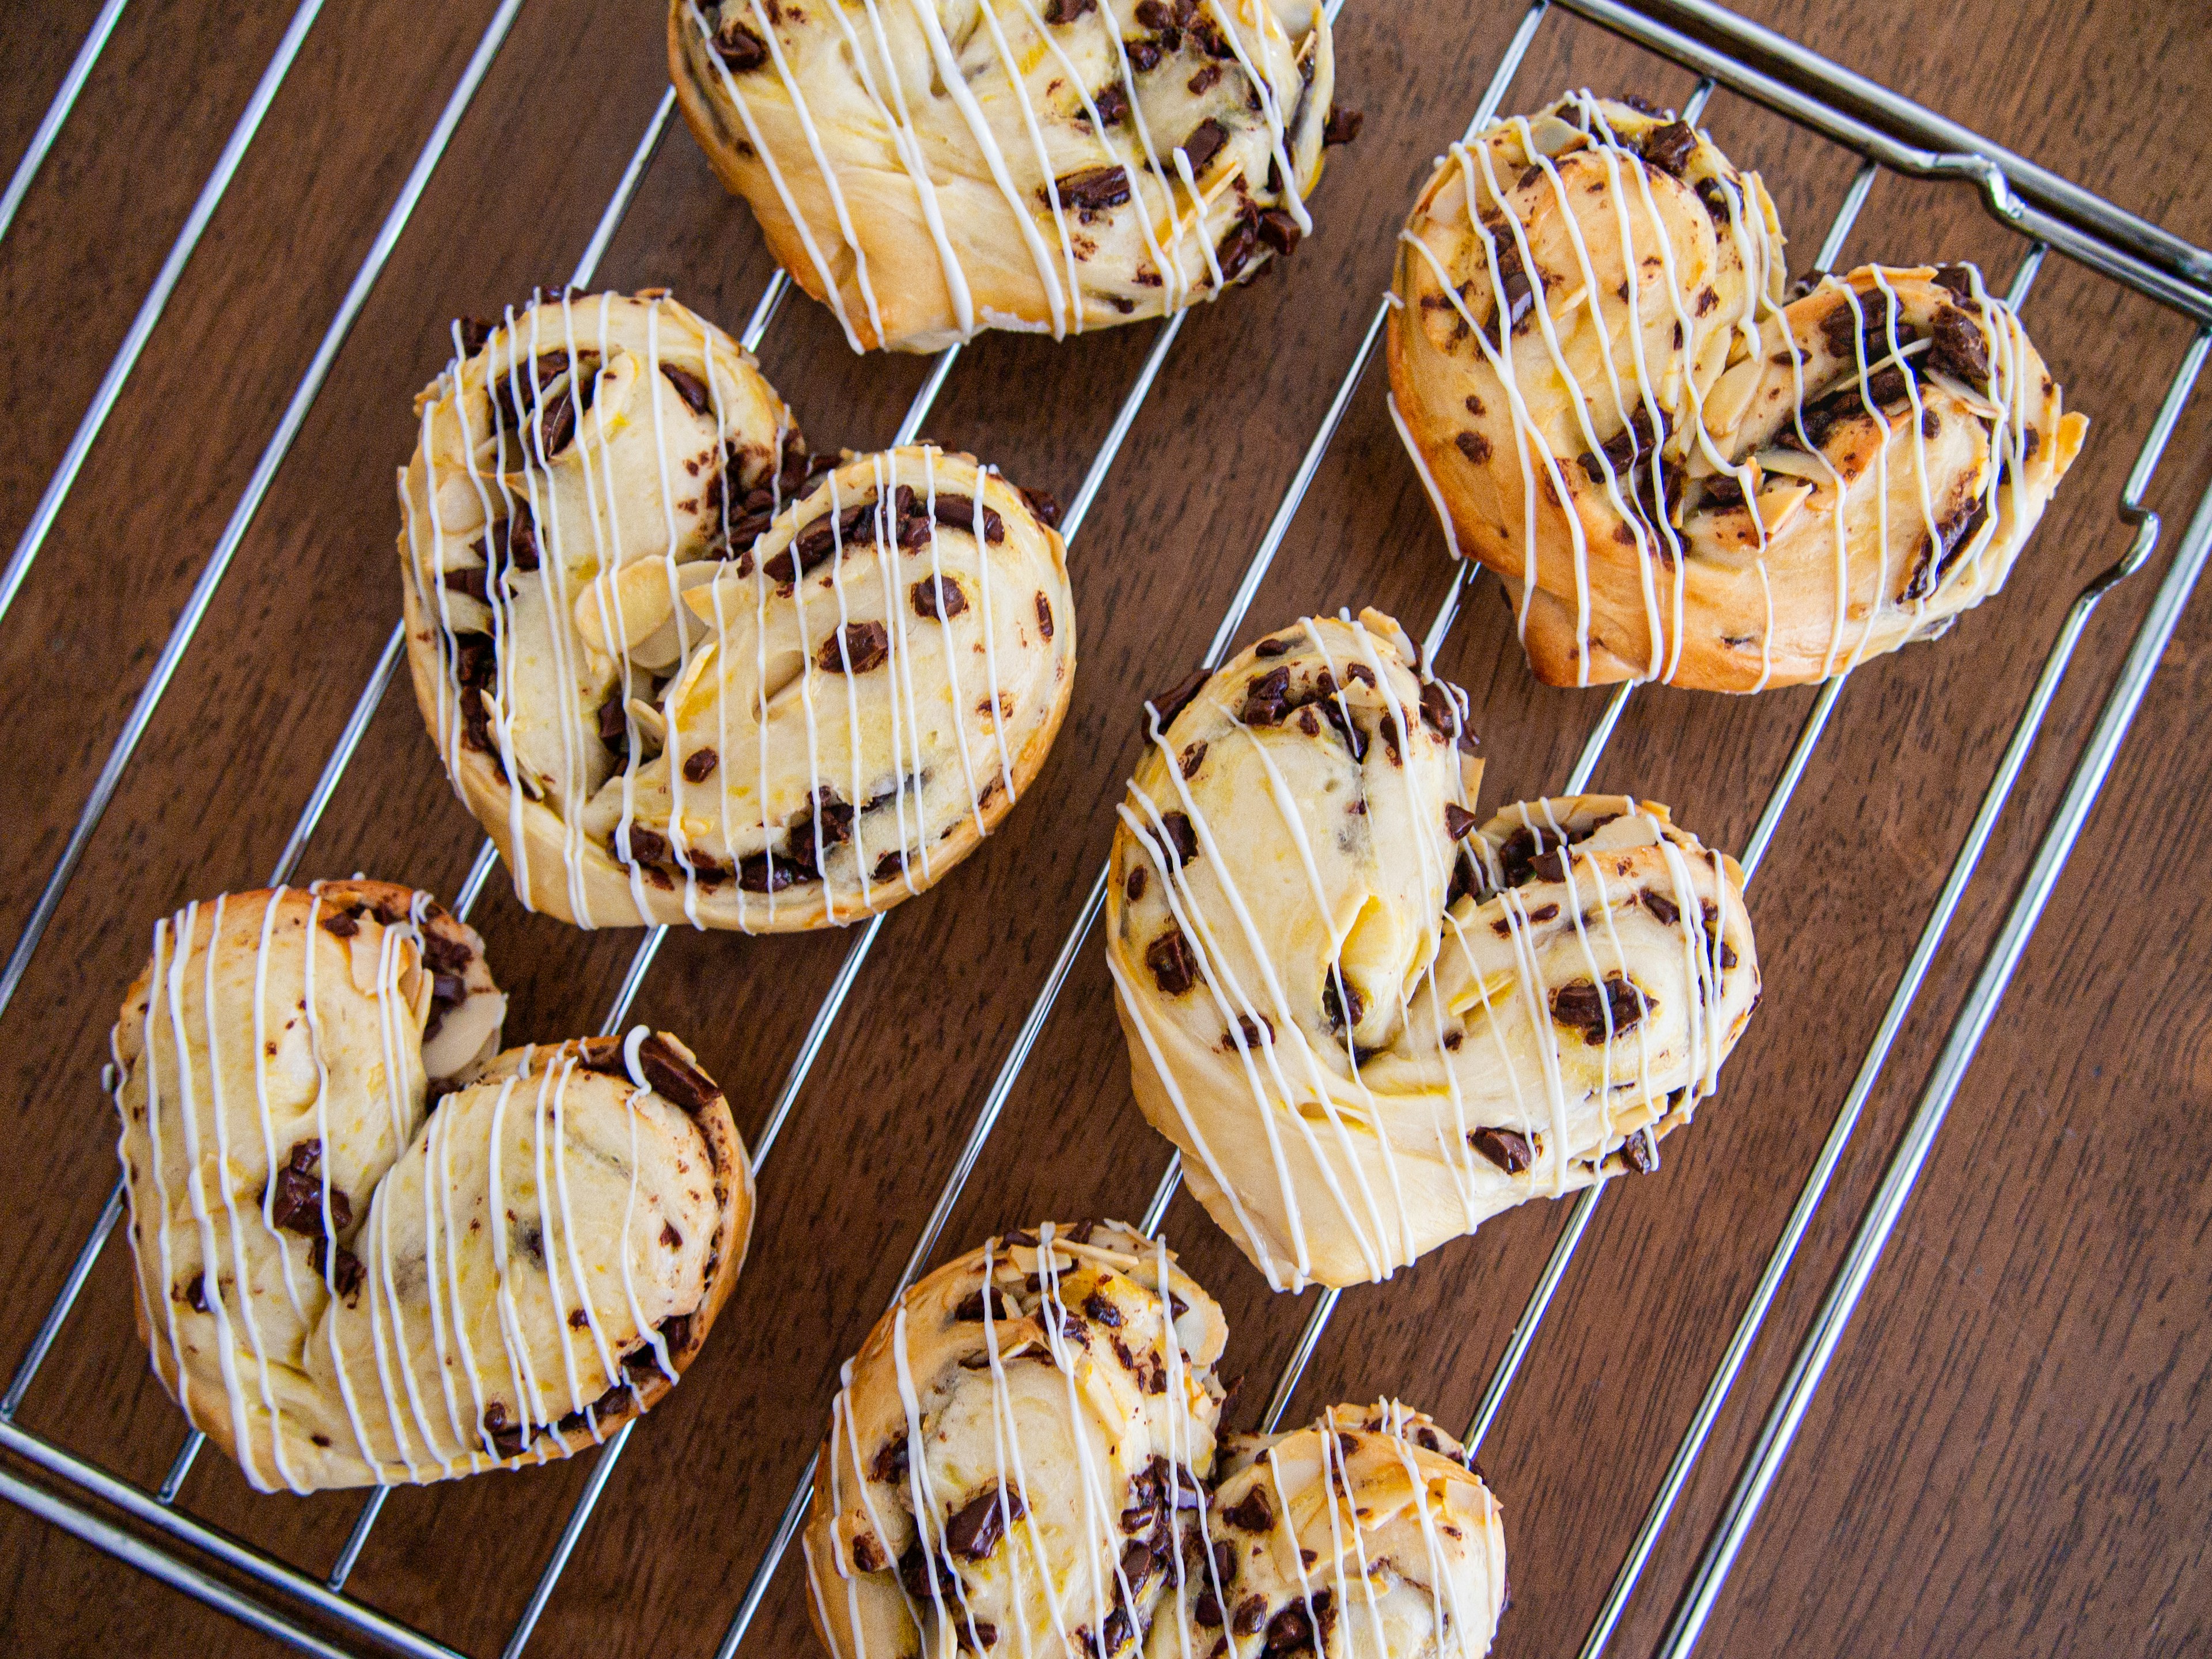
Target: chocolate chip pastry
(373, 1249)
(681, 671)
(1017, 1452)
(931, 170)
(1678, 475)
(1370, 1020)
(1022, 1461)
(1366, 1533)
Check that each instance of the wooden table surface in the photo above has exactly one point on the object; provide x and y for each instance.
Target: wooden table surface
(2014, 1454)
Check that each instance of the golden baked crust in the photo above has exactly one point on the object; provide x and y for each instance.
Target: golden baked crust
(724, 675)
(1370, 1026)
(1832, 477)
(1366, 1529)
(1019, 1452)
(325, 1281)
(931, 170)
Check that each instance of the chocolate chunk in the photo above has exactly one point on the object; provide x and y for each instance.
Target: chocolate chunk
(346, 1272)
(673, 1077)
(1579, 1004)
(1289, 1630)
(1959, 349)
(1043, 505)
(647, 846)
(1640, 1152)
(1113, 105)
(1276, 645)
(1093, 190)
(614, 721)
(698, 764)
(1474, 445)
(1252, 1033)
(940, 603)
(1723, 492)
(1715, 196)
(1458, 821)
(340, 925)
(959, 511)
(689, 386)
(1143, 54)
(1204, 143)
(918, 1569)
(1669, 147)
(1508, 1150)
(1044, 614)
(1206, 1609)
(295, 1197)
(1885, 387)
(856, 648)
(1266, 699)
(1239, 247)
(1170, 703)
(1443, 712)
(766, 873)
(1176, 831)
(476, 334)
(1066, 11)
(670, 1237)
(1960, 279)
(1338, 995)
(506, 1438)
(867, 1554)
(469, 582)
(1207, 77)
(1099, 1306)
(976, 1527)
(985, 1301)
(1134, 887)
(557, 424)
(1251, 1613)
(1516, 293)
(1661, 907)
(739, 48)
(1174, 966)
(1278, 231)
(194, 1294)
(890, 1463)
(1342, 126)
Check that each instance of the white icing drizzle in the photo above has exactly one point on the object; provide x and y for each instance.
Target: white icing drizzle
(873, 55)
(559, 587)
(399, 1431)
(1856, 626)
(1376, 1220)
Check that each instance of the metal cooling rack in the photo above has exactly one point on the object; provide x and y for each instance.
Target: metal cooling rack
(1882, 129)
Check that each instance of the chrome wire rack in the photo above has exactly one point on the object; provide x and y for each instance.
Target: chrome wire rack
(1882, 130)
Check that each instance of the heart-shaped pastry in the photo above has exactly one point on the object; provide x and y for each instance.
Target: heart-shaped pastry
(1369, 1024)
(931, 170)
(1366, 1532)
(1022, 1421)
(682, 672)
(371, 1249)
(1678, 476)
(1022, 1461)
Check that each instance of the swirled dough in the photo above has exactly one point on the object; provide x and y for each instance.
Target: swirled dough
(1365, 1532)
(1019, 1454)
(370, 1249)
(934, 167)
(681, 672)
(1678, 476)
(1369, 1024)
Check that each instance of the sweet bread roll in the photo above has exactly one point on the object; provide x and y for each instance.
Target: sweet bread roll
(1017, 1460)
(1677, 476)
(370, 1249)
(1367, 1534)
(1368, 1025)
(681, 672)
(934, 169)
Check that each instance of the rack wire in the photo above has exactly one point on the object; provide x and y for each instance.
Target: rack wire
(1882, 129)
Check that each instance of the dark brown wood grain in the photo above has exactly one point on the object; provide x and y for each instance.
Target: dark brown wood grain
(2011, 1456)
